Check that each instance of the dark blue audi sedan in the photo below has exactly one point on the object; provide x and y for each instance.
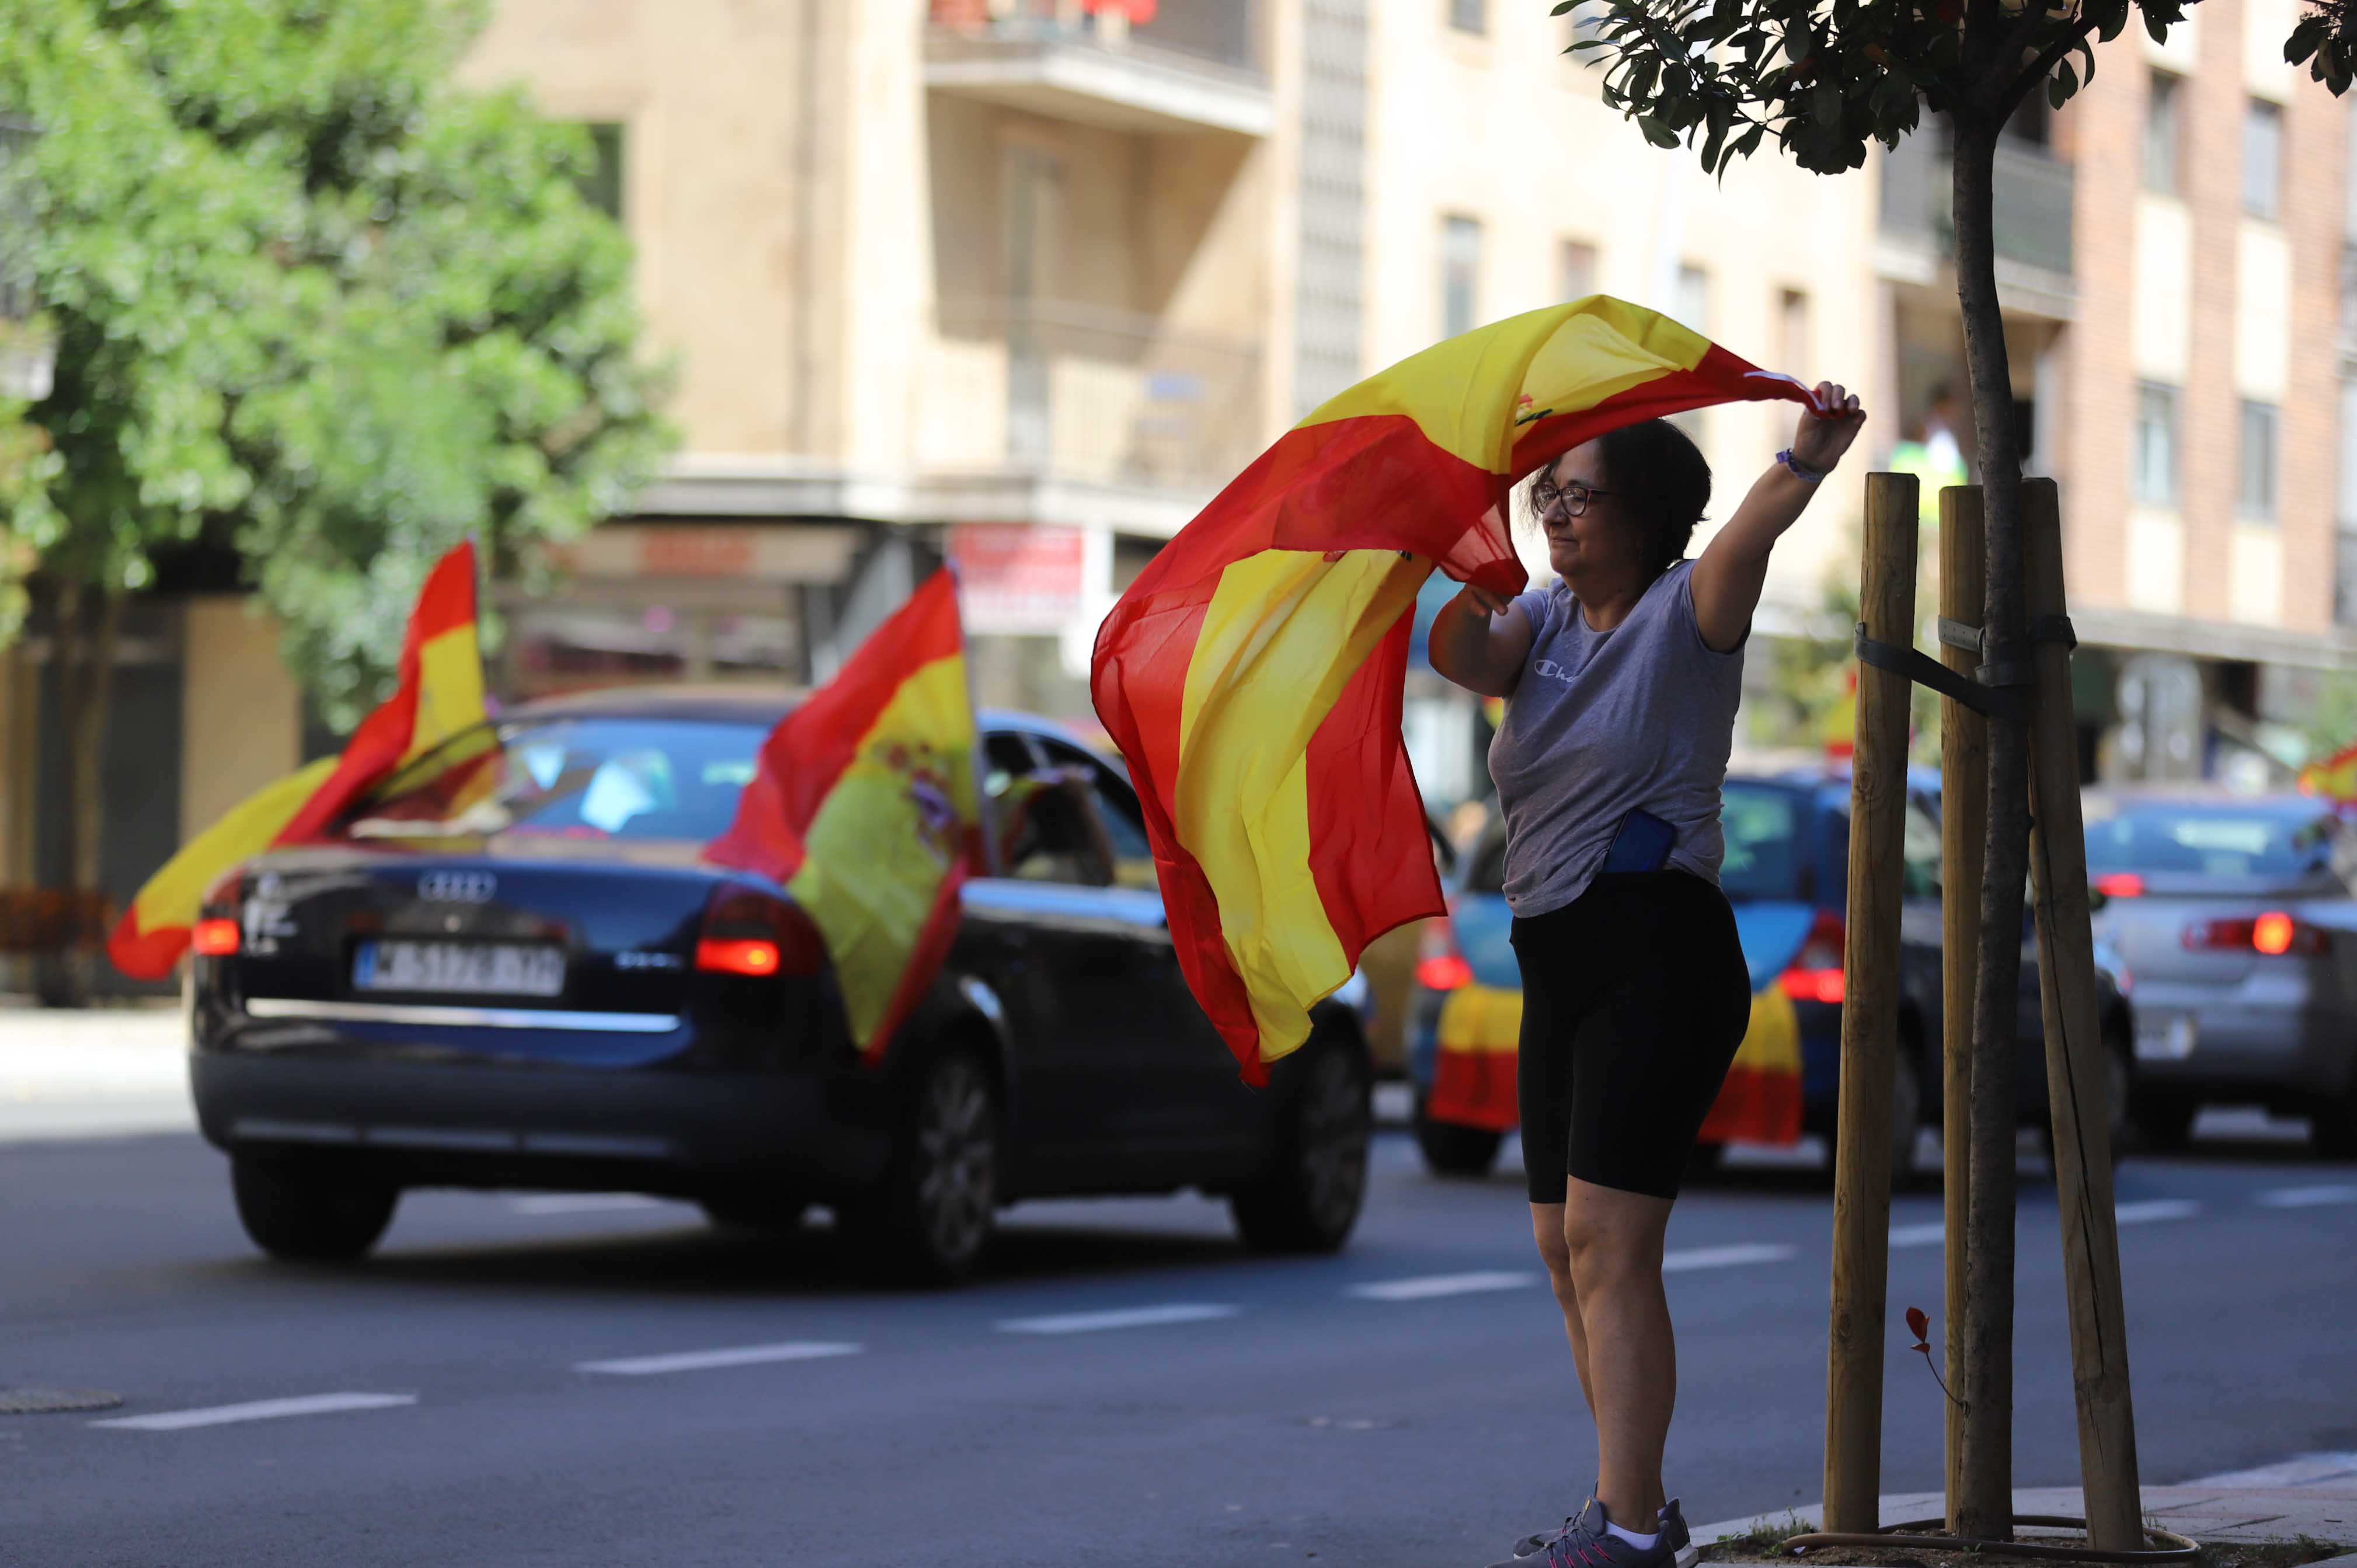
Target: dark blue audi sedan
(509, 967)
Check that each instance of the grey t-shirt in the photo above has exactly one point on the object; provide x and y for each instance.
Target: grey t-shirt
(1605, 723)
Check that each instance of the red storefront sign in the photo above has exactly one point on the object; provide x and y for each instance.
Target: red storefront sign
(1017, 578)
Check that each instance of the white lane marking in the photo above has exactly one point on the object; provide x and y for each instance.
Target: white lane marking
(1930, 1235)
(1121, 1318)
(704, 1360)
(2154, 1209)
(1727, 1257)
(2301, 1470)
(1427, 1286)
(258, 1409)
(582, 1202)
(2306, 1197)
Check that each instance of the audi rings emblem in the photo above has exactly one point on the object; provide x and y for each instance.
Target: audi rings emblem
(457, 887)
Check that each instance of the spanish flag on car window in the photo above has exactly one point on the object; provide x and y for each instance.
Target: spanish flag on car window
(863, 805)
(1251, 675)
(440, 696)
(2335, 779)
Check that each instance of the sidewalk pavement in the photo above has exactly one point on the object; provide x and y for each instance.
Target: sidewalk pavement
(101, 1073)
(2313, 1494)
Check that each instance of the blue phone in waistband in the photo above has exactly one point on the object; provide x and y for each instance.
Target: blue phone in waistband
(1644, 843)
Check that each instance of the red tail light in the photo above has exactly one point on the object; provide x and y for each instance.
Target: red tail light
(215, 938)
(2275, 933)
(1439, 965)
(751, 932)
(1815, 974)
(2120, 884)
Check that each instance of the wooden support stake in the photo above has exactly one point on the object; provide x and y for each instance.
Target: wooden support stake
(1963, 835)
(2078, 1074)
(1869, 1019)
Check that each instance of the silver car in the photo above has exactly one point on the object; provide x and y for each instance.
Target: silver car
(2237, 920)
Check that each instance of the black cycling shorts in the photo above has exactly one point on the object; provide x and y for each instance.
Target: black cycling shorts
(1635, 996)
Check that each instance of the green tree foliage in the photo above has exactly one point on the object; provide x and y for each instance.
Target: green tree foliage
(314, 299)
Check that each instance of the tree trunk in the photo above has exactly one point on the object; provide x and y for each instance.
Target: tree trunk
(1984, 1500)
(82, 639)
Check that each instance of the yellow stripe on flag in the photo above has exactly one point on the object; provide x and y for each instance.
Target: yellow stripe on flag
(873, 865)
(1485, 1018)
(172, 897)
(1285, 632)
(1771, 1044)
(1462, 393)
(449, 689)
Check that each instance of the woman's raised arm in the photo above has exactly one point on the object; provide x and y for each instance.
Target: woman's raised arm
(1480, 641)
(1734, 566)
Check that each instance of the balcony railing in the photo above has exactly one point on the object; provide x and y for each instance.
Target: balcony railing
(1071, 393)
(1224, 32)
(1195, 66)
(2031, 217)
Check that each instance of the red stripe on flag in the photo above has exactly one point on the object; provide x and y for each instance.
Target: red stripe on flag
(1756, 1106)
(1474, 1089)
(445, 603)
(1370, 848)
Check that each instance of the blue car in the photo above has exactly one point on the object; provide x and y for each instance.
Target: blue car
(1786, 874)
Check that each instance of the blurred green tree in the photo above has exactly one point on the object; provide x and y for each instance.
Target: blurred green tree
(311, 299)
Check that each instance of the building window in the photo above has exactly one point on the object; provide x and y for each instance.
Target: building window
(1460, 267)
(1692, 307)
(602, 186)
(1792, 323)
(2263, 159)
(1576, 270)
(2156, 445)
(2162, 133)
(2254, 494)
(1469, 16)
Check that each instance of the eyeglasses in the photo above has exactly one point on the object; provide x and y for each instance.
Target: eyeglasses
(1546, 495)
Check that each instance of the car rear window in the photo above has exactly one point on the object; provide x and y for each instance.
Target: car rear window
(1764, 854)
(590, 778)
(2209, 841)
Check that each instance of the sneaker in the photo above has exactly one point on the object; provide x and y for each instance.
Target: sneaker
(1674, 1549)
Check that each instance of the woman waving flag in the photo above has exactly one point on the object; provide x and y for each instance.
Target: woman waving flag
(1251, 675)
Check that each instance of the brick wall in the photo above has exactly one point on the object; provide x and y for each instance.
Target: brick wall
(2314, 184)
(2209, 409)
(2101, 133)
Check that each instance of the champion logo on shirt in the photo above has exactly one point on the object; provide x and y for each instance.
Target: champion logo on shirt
(1551, 670)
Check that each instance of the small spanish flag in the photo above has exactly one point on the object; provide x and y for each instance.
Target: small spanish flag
(863, 805)
(1251, 675)
(440, 696)
(2335, 779)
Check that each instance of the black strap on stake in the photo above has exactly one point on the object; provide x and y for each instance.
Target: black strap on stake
(1993, 689)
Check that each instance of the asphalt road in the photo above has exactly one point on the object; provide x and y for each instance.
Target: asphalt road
(538, 1391)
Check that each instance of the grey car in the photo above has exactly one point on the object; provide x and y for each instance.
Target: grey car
(2237, 917)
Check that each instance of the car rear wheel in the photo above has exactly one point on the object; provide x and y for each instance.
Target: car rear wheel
(1311, 1201)
(2162, 1123)
(308, 1208)
(930, 1221)
(1454, 1150)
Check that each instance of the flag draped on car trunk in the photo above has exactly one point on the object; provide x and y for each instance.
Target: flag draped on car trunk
(440, 696)
(863, 805)
(1251, 675)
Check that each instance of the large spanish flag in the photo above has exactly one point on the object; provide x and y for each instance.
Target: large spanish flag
(1251, 675)
(863, 805)
(440, 696)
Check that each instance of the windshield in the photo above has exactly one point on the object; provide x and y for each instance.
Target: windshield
(1764, 857)
(2209, 841)
(574, 778)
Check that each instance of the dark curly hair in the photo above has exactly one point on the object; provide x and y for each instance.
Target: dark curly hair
(1661, 483)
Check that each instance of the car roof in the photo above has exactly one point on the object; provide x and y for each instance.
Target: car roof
(737, 703)
(2205, 797)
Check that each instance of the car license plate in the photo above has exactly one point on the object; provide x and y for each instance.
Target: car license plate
(483, 969)
(2166, 1038)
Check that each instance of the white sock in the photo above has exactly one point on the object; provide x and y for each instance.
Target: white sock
(1642, 1542)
